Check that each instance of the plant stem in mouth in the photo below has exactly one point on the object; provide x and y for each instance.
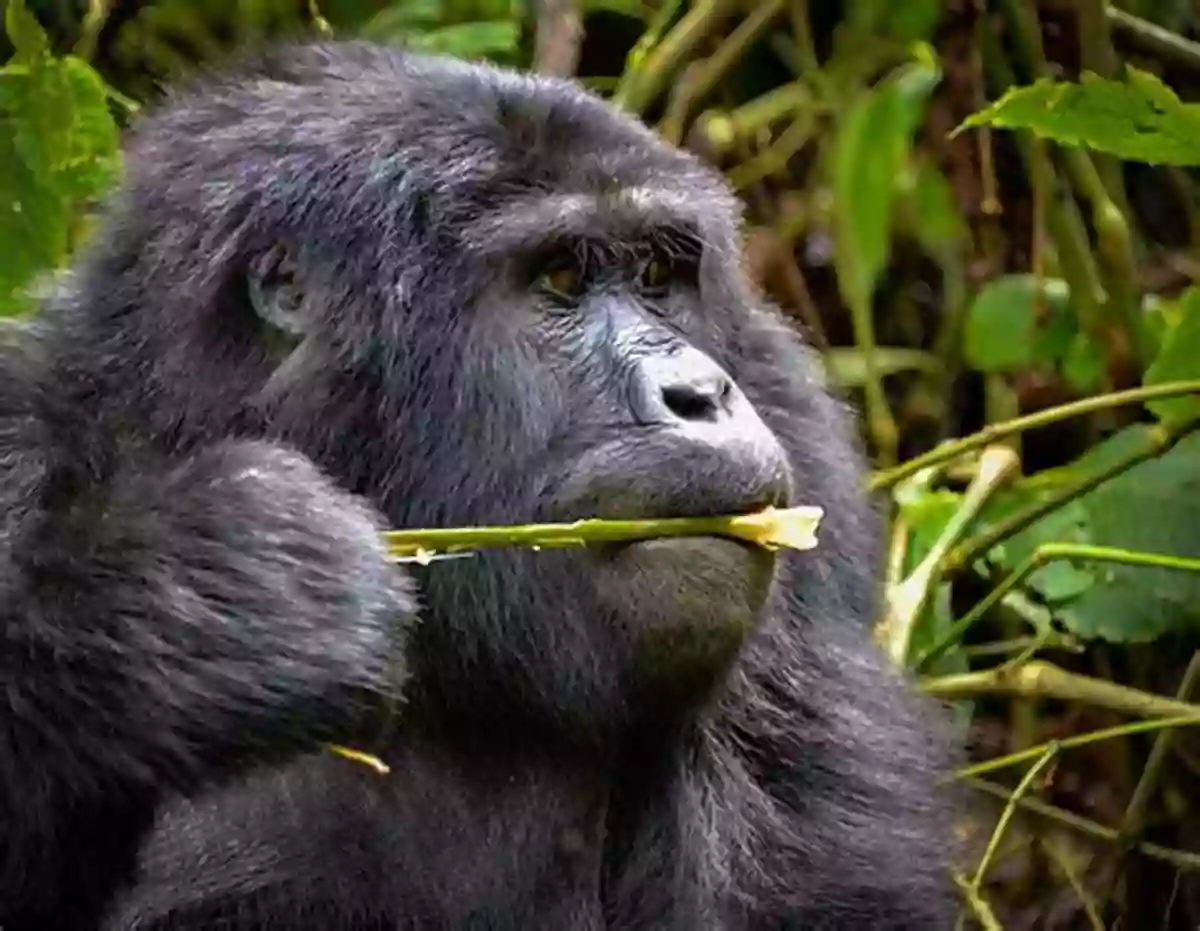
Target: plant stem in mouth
(794, 528)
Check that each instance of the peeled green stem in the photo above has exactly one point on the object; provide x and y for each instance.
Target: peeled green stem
(751, 527)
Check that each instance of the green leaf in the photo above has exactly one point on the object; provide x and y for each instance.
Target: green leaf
(934, 219)
(63, 129)
(33, 230)
(58, 152)
(1056, 582)
(470, 40)
(25, 33)
(1154, 507)
(1178, 360)
(872, 148)
(1084, 364)
(1158, 317)
(469, 29)
(1013, 323)
(910, 21)
(914, 20)
(1139, 120)
(398, 21)
(927, 514)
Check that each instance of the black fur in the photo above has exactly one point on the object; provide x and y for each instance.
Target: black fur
(604, 739)
(169, 620)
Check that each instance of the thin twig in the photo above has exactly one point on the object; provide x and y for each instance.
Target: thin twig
(1170, 45)
(996, 432)
(1180, 859)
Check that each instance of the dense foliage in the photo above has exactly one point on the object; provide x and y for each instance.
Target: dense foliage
(985, 214)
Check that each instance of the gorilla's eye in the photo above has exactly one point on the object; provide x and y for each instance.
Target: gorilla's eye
(564, 281)
(656, 276)
(275, 292)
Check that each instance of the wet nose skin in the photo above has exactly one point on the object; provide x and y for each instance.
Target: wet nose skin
(683, 387)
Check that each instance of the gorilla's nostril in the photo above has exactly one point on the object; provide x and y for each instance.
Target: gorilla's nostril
(682, 386)
(692, 402)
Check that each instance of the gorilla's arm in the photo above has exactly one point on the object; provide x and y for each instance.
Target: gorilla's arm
(164, 626)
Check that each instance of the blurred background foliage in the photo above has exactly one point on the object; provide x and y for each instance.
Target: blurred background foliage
(1014, 306)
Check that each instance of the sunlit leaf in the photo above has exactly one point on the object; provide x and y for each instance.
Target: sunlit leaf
(872, 147)
(58, 153)
(24, 32)
(33, 228)
(1140, 119)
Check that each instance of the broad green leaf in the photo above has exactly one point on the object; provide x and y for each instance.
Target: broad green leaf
(351, 15)
(1014, 323)
(24, 32)
(1140, 119)
(1154, 507)
(63, 129)
(1056, 582)
(33, 227)
(58, 152)
(927, 515)
(872, 148)
(1178, 360)
(933, 624)
(468, 29)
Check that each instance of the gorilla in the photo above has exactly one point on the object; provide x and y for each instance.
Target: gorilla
(345, 287)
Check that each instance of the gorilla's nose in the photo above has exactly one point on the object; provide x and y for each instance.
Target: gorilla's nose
(712, 452)
(684, 387)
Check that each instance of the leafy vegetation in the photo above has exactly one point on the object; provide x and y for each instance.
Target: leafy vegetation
(985, 215)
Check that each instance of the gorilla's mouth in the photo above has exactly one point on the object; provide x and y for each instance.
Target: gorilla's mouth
(692, 553)
(733, 572)
(664, 475)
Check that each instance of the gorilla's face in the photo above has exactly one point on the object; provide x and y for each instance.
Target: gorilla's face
(611, 338)
(531, 314)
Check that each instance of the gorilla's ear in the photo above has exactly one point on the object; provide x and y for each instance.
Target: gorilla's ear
(276, 294)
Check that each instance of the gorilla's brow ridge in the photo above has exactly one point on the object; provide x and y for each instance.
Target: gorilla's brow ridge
(527, 224)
